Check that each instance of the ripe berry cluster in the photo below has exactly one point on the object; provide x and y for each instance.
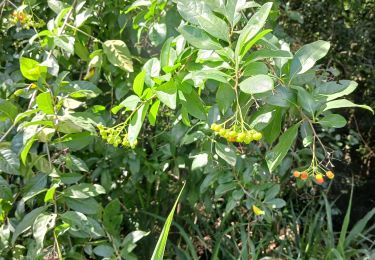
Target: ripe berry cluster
(114, 136)
(236, 135)
(319, 177)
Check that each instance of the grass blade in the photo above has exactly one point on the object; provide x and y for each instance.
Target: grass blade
(162, 241)
(345, 225)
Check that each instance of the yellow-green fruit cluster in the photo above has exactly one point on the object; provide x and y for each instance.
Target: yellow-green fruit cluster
(237, 136)
(114, 136)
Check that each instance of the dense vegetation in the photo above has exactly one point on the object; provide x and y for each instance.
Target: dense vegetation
(109, 108)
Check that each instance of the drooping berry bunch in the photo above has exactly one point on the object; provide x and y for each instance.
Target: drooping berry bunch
(317, 175)
(24, 19)
(236, 133)
(115, 135)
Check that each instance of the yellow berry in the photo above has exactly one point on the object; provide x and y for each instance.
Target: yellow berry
(257, 136)
(232, 134)
(223, 132)
(330, 175)
(241, 137)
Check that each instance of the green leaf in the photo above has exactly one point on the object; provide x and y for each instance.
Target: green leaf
(255, 68)
(152, 68)
(252, 27)
(272, 131)
(84, 191)
(198, 13)
(275, 156)
(105, 251)
(167, 93)
(43, 223)
(44, 102)
(199, 161)
(282, 97)
(198, 38)
(86, 206)
(66, 43)
(332, 120)
(257, 84)
(157, 33)
(139, 82)
(225, 97)
(193, 104)
(332, 90)
(254, 40)
(224, 188)
(167, 54)
(9, 162)
(203, 75)
(8, 110)
(136, 123)
(27, 222)
(75, 163)
(227, 153)
(306, 57)
(267, 54)
(307, 101)
(131, 102)
(112, 217)
(82, 226)
(152, 114)
(81, 89)
(5, 190)
(272, 192)
(262, 120)
(276, 203)
(129, 244)
(31, 69)
(50, 194)
(339, 103)
(118, 54)
(158, 253)
(232, 10)
(34, 186)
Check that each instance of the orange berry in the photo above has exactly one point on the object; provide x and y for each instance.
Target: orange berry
(296, 174)
(330, 175)
(304, 175)
(319, 178)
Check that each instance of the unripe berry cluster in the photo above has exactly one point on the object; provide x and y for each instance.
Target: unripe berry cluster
(236, 135)
(114, 136)
(319, 177)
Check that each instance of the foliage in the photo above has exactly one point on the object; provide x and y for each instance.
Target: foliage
(106, 109)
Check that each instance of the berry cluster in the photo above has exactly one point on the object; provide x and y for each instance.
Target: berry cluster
(236, 135)
(24, 19)
(114, 136)
(319, 177)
